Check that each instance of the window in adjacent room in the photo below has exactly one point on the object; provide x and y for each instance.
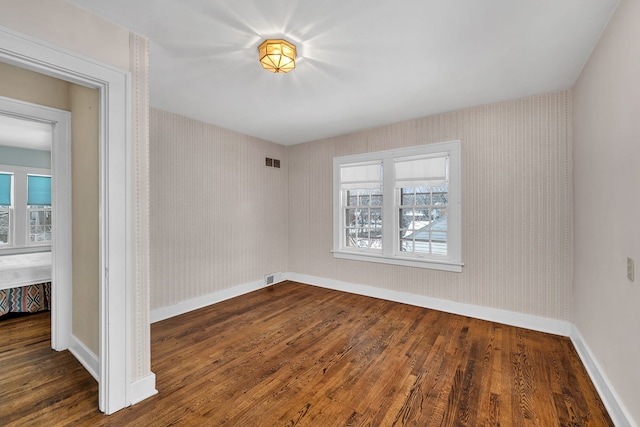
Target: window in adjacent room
(39, 209)
(400, 207)
(6, 186)
(25, 209)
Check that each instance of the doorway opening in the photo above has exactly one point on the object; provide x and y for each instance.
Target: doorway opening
(114, 355)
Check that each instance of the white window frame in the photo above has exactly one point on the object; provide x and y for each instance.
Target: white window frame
(390, 253)
(19, 212)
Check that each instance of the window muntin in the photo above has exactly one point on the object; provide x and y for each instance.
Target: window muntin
(407, 213)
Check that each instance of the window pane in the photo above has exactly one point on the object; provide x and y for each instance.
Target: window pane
(406, 245)
(406, 219)
(423, 198)
(350, 217)
(376, 243)
(375, 216)
(408, 199)
(440, 198)
(363, 218)
(423, 229)
(39, 224)
(4, 226)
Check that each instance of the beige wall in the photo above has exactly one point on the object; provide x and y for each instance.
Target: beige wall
(219, 217)
(606, 153)
(84, 179)
(516, 222)
(25, 85)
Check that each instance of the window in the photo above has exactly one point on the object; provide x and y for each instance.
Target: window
(361, 186)
(6, 184)
(25, 209)
(39, 208)
(400, 207)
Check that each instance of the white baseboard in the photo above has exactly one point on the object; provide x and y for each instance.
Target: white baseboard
(182, 307)
(85, 356)
(618, 413)
(143, 388)
(527, 321)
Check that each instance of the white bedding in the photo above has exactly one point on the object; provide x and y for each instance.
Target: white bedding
(24, 269)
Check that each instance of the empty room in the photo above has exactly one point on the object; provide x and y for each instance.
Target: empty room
(339, 213)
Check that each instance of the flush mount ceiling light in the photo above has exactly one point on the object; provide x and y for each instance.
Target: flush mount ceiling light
(277, 56)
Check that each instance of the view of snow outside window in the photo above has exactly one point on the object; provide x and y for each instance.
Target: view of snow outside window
(39, 223)
(4, 225)
(363, 216)
(423, 220)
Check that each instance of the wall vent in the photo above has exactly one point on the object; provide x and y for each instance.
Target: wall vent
(272, 278)
(271, 163)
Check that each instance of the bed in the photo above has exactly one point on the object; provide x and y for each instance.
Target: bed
(25, 283)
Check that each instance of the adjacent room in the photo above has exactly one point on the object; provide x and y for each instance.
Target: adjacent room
(335, 213)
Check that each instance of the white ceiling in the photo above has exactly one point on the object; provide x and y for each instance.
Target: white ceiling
(15, 132)
(362, 63)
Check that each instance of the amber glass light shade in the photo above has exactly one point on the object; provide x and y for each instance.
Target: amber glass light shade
(277, 56)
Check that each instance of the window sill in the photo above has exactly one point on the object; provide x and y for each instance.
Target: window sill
(406, 262)
(25, 249)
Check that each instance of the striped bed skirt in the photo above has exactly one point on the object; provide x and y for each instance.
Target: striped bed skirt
(26, 299)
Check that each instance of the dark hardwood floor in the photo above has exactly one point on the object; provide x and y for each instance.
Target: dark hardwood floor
(298, 355)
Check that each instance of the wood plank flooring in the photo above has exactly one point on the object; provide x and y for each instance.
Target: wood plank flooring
(298, 355)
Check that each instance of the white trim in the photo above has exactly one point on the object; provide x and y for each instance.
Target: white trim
(61, 257)
(390, 252)
(619, 414)
(527, 321)
(521, 320)
(143, 388)
(182, 307)
(617, 411)
(406, 262)
(85, 356)
(115, 350)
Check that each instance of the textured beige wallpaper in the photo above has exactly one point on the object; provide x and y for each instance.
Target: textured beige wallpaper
(219, 217)
(140, 271)
(606, 152)
(516, 206)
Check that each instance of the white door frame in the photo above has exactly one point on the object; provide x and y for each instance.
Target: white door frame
(114, 138)
(61, 271)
